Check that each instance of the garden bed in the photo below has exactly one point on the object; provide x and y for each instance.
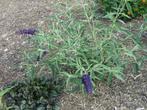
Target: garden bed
(130, 95)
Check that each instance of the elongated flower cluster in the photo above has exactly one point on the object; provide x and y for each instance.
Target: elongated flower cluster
(86, 80)
(30, 31)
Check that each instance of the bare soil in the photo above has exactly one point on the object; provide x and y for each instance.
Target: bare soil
(18, 14)
(15, 15)
(131, 95)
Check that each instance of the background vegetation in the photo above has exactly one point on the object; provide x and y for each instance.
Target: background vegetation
(129, 8)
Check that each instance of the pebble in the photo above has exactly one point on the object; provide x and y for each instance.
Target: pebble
(5, 50)
(4, 35)
(140, 109)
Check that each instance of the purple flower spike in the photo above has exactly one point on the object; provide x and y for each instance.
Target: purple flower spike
(30, 31)
(86, 80)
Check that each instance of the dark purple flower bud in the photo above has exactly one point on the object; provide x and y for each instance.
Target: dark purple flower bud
(30, 31)
(86, 80)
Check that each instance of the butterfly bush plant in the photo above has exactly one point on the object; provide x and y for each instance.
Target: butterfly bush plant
(129, 8)
(83, 50)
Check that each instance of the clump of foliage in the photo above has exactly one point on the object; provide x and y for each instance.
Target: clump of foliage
(78, 45)
(128, 8)
(41, 93)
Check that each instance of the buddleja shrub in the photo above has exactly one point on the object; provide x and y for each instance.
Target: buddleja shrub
(128, 8)
(78, 47)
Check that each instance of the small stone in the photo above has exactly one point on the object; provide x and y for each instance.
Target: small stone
(4, 35)
(6, 50)
(140, 109)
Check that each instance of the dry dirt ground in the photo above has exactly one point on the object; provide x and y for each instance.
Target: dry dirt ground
(14, 15)
(17, 14)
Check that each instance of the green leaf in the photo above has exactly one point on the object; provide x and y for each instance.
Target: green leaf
(129, 8)
(3, 92)
(119, 76)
